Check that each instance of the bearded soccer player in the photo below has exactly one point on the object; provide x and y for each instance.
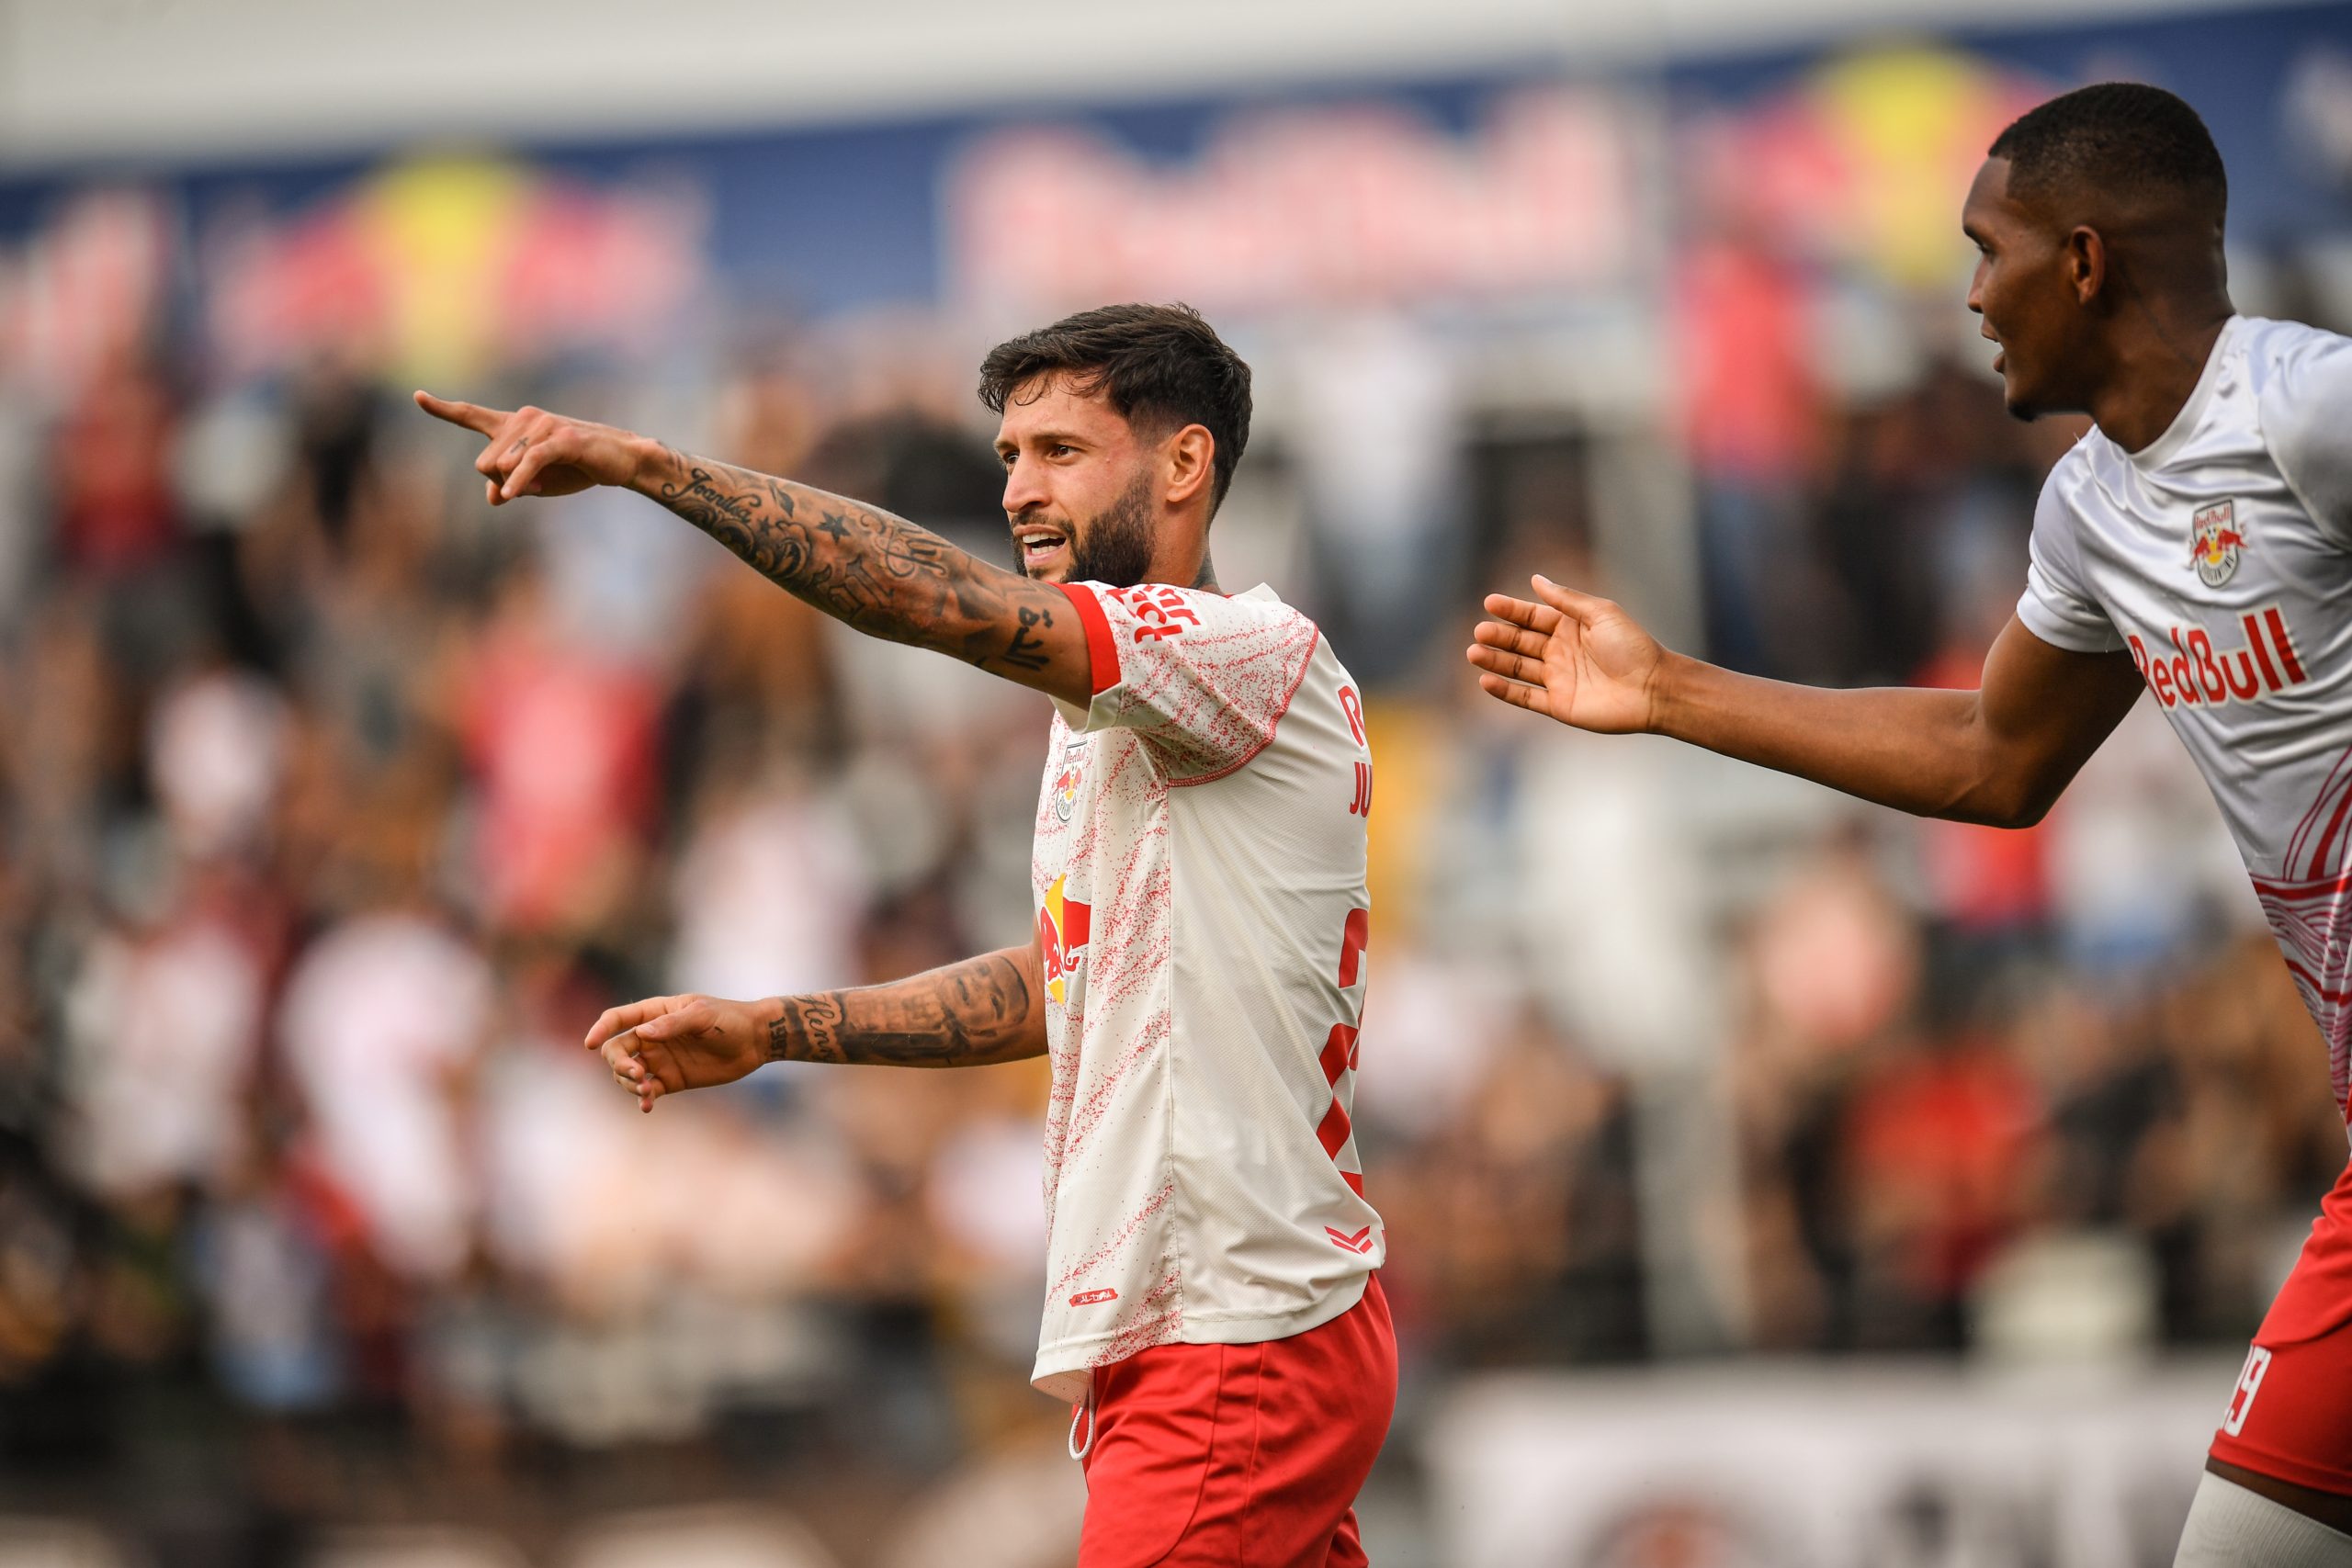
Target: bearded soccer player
(2197, 543)
(1198, 967)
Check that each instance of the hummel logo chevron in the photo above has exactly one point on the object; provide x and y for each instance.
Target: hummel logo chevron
(1360, 1242)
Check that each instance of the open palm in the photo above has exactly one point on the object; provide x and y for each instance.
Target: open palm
(1578, 659)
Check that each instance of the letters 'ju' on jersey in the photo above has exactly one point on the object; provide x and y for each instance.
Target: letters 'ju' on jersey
(1199, 873)
(2220, 556)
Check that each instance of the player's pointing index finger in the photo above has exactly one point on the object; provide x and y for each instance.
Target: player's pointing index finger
(473, 416)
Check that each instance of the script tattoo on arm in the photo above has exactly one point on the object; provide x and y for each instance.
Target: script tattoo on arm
(983, 1010)
(882, 574)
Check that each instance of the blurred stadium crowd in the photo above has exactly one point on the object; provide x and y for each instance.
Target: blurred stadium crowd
(337, 805)
(334, 805)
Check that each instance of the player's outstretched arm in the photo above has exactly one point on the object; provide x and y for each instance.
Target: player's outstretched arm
(2000, 754)
(879, 573)
(985, 1009)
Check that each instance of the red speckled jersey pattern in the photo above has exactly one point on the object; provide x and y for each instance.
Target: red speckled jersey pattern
(1201, 921)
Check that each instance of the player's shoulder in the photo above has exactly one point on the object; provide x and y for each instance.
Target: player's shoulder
(2300, 377)
(1256, 607)
(2290, 361)
(2267, 341)
(2286, 365)
(2077, 469)
(1262, 604)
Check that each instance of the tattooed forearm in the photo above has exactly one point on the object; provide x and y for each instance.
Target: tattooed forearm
(809, 1029)
(1026, 650)
(982, 1011)
(880, 573)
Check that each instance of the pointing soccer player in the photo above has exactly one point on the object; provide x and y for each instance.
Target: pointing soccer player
(1197, 971)
(2197, 542)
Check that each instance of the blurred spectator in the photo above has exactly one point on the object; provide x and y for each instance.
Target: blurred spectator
(562, 742)
(383, 1017)
(116, 515)
(769, 892)
(1379, 445)
(1749, 414)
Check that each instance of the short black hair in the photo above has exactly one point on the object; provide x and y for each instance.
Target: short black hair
(1162, 367)
(2124, 137)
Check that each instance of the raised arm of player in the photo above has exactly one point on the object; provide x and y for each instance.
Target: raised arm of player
(879, 573)
(2000, 754)
(986, 1010)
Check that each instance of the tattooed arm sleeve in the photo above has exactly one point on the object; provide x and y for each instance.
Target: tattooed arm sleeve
(985, 1009)
(880, 573)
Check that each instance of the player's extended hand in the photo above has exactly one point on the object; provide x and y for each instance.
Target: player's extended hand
(533, 452)
(669, 1045)
(1580, 660)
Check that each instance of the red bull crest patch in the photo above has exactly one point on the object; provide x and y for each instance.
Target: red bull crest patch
(1066, 782)
(2214, 543)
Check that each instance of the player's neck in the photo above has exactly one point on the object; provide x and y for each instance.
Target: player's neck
(2157, 371)
(1182, 558)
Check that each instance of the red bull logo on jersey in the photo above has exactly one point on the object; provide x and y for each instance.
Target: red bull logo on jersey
(2194, 673)
(2214, 543)
(1062, 932)
(1066, 782)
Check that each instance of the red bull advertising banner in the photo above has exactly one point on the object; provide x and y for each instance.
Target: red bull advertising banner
(1478, 199)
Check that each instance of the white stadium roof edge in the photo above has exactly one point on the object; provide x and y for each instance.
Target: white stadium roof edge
(182, 80)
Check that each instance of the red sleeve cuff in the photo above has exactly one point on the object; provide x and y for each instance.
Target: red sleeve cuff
(1101, 653)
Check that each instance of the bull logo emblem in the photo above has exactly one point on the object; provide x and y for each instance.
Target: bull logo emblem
(2214, 543)
(1062, 935)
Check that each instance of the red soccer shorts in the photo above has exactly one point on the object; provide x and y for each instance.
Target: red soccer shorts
(2291, 1415)
(1233, 1454)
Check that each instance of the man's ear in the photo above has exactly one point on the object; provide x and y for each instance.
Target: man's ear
(2086, 263)
(1191, 458)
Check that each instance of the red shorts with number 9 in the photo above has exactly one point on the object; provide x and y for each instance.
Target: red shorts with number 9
(2291, 1415)
(1240, 1453)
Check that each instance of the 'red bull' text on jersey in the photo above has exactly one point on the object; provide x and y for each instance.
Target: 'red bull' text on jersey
(1202, 923)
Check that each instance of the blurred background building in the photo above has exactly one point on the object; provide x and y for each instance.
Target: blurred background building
(1771, 1180)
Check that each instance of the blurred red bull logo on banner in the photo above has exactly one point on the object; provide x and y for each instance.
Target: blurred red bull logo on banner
(1863, 159)
(81, 291)
(1368, 202)
(439, 267)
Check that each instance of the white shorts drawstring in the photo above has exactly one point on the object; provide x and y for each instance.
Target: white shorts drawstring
(1083, 1411)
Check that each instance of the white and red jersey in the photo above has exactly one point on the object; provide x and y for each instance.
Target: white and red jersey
(2221, 556)
(1202, 915)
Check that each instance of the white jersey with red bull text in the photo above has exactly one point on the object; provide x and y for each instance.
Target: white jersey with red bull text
(1202, 920)
(2220, 556)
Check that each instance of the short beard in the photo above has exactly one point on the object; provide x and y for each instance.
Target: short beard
(1115, 547)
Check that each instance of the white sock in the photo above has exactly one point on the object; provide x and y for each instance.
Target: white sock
(2230, 1527)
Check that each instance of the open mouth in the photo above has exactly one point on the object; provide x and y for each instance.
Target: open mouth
(1042, 546)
